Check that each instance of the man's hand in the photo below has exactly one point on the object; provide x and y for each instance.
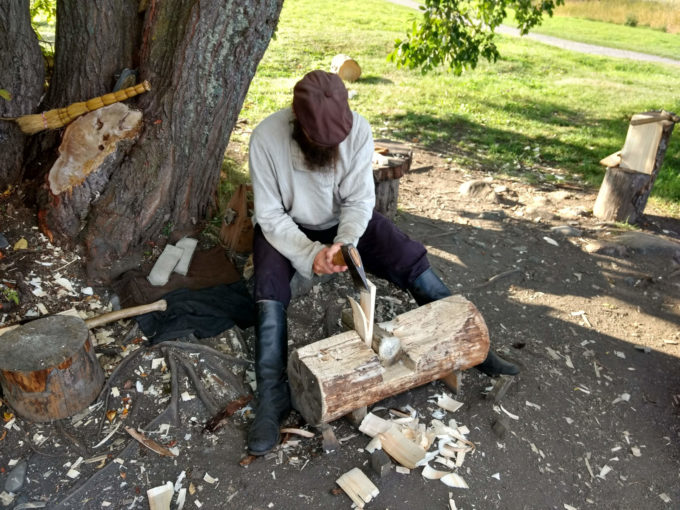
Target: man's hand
(323, 262)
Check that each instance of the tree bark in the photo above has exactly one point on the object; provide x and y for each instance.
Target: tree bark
(23, 74)
(199, 57)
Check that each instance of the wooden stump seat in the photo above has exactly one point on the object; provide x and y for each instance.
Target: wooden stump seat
(48, 368)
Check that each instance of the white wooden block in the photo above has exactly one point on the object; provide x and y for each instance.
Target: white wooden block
(188, 245)
(160, 273)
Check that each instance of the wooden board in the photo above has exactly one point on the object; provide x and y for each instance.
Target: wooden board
(334, 376)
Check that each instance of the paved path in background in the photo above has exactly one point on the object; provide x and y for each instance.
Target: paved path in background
(570, 45)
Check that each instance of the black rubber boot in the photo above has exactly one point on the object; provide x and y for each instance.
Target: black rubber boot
(427, 288)
(494, 365)
(271, 356)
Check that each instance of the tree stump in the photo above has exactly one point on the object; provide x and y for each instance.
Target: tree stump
(48, 368)
(391, 161)
(632, 171)
(337, 375)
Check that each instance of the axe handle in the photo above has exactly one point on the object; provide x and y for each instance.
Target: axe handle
(338, 259)
(99, 320)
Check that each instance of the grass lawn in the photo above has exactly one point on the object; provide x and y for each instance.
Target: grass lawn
(539, 113)
(641, 39)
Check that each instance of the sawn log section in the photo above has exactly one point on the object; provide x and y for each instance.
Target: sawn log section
(48, 368)
(336, 375)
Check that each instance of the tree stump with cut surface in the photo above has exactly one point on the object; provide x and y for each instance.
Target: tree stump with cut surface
(48, 368)
(632, 171)
(391, 162)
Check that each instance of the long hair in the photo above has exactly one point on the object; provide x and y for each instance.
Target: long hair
(317, 157)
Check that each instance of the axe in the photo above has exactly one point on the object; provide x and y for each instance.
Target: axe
(349, 256)
(387, 346)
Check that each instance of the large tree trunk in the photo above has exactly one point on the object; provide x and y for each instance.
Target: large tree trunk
(199, 57)
(23, 74)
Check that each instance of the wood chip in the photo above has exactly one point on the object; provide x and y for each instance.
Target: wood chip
(247, 460)
(373, 425)
(358, 487)
(150, 443)
(446, 402)
(160, 497)
(405, 452)
(298, 432)
(604, 471)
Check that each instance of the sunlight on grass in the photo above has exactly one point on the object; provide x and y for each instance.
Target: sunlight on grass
(659, 14)
(639, 38)
(539, 113)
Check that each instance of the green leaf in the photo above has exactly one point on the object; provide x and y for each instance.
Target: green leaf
(5, 95)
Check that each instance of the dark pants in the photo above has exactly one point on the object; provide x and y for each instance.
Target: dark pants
(386, 252)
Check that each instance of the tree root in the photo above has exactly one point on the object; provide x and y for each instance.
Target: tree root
(177, 361)
(107, 386)
(201, 390)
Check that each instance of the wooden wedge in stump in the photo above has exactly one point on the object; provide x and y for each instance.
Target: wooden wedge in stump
(337, 375)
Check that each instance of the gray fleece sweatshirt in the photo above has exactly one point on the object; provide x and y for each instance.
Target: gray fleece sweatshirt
(288, 194)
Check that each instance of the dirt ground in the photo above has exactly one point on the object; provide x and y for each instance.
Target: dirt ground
(590, 311)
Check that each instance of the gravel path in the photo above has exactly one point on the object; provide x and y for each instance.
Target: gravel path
(570, 45)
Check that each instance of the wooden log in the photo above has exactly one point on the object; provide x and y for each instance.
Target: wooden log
(48, 368)
(620, 194)
(391, 161)
(334, 376)
(625, 189)
(345, 67)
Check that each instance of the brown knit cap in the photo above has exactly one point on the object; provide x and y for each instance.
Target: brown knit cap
(320, 105)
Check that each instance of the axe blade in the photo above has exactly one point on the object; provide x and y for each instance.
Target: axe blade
(355, 266)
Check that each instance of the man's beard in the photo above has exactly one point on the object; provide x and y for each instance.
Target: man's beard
(316, 156)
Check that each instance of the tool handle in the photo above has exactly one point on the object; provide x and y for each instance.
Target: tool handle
(157, 306)
(338, 259)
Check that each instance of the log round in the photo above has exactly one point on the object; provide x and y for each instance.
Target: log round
(48, 368)
(623, 195)
(334, 376)
(345, 67)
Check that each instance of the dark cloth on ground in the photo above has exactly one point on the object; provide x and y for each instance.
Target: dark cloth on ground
(208, 268)
(204, 313)
(386, 252)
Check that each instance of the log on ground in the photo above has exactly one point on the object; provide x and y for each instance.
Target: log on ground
(334, 376)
